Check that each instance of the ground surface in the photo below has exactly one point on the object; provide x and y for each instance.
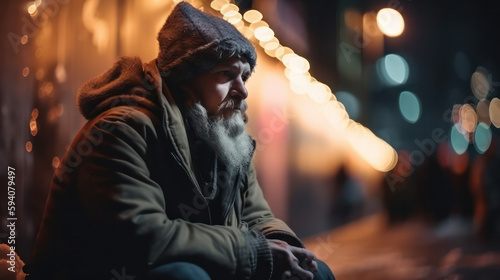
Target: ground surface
(369, 249)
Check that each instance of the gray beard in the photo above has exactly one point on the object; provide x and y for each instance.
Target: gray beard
(227, 137)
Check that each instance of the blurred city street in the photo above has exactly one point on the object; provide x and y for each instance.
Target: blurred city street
(369, 249)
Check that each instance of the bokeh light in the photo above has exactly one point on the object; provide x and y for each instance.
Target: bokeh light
(483, 112)
(24, 39)
(299, 64)
(229, 10)
(33, 124)
(393, 69)
(55, 162)
(218, 4)
(480, 84)
(350, 102)
(495, 112)
(482, 138)
(34, 113)
(29, 146)
(410, 107)
(32, 8)
(252, 16)
(455, 113)
(60, 73)
(319, 92)
(457, 139)
(468, 118)
(26, 71)
(235, 20)
(40, 73)
(380, 155)
(390, 22)
(264, 33)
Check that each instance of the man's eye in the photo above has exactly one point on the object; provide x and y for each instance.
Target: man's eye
(226, 73)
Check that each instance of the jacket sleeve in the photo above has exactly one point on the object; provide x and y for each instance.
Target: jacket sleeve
(257, 214)
(126, 207)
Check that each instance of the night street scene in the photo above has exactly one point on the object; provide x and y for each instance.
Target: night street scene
(374, 138)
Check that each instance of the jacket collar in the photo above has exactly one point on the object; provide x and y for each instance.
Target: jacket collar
(172, 119)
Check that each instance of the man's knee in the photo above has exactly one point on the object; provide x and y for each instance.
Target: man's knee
(177, 271)
(324, 272)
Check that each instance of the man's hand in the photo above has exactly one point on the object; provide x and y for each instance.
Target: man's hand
(290, 260)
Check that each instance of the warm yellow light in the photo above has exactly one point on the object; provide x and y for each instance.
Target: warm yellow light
(29, 146)
(39, 74)
(287, 58)
(234, 19)
(32, 124)
(299, 88)
(32, 8)
(272, 44)
(319, 92)
(258, 24)
(218, 4)
(282, 51)
(270, 53)
(48, 87)
(380, 155)
(229, 10)
(60, 73)
(480, 83)
(495, 112)
(390, 22)
(264, 33)
(26, 71)
(293, 75)
(252, 16)
(34, 113)
(246, 31)
(55, 162)
(299, 64)
(299, 82)
(482, 112)
(335, 114)
(24, 39)
(468, 118)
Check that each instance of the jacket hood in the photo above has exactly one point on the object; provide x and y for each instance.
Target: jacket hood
(123, 84)
(192, 42)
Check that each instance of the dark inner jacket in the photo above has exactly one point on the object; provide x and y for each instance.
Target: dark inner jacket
(125, 195)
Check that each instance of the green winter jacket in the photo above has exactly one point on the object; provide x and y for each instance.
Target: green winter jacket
(125, 198)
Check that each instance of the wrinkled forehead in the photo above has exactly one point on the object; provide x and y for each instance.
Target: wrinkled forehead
(236, 63)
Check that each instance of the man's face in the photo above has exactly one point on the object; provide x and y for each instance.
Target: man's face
(222, 90)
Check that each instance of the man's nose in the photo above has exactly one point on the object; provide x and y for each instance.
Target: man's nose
(238, 88)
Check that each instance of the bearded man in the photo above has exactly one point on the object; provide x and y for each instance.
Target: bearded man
(159, 184)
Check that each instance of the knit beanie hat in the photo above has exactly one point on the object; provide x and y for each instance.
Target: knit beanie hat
(193, 42)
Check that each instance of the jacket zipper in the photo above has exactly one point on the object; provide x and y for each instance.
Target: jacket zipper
(233, 198)
(177, 159)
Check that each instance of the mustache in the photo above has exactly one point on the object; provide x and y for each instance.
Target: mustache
(232, 104)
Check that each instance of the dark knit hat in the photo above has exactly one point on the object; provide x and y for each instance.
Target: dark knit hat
(193, 42)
